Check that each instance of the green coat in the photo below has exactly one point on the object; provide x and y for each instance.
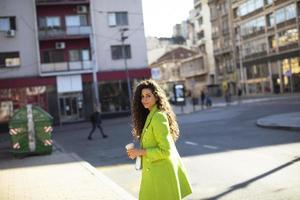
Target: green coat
(163, 174)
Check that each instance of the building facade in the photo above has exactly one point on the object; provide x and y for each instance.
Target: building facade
(168, 66)
(202, 42)
(194, 71)
(51, 50)
(223, 46)
(267, 41)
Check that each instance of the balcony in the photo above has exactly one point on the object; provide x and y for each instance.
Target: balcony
(278, 2)
(58, 67)
(194, 72)
(61, 2)
(255, 55)
(286, 23)
(288, 47)
(222, 50)
(67, 32)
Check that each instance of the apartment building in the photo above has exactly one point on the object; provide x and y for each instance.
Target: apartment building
(267, 41)
(168, 67)
(51, 50)
(223, 46)
(194, 71)
(202, 42)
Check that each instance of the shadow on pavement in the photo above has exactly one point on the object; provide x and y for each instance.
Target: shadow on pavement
(248, 182)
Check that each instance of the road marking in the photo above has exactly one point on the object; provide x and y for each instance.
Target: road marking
(191, 143)
(210, 147)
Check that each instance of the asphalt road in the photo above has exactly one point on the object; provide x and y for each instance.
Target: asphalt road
(226, 155)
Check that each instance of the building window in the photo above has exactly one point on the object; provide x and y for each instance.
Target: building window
(257, 71)
(270, 20)
(287, 37)
(118, 19)
(254, 47)
(10, 59)
(76, 20)
(117, 53)
(250, 6)
(114, 96)
(286, 13)
(272, 42)
(200, 21)
(79, 55)
(7, 23)
(253, 26)
(49, 22)
(200, 35)
(268, 2)
(53, 56)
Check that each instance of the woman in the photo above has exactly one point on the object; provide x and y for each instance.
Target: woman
(155, 126)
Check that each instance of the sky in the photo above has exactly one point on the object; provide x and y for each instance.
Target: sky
(161, 15)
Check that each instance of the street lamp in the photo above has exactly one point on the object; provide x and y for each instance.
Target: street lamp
(123, 38)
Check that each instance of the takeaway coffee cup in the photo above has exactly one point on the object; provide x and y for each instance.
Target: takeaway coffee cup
(129, 146)
(138, 161)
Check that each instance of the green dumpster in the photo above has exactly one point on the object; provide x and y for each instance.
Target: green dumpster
(30, 128)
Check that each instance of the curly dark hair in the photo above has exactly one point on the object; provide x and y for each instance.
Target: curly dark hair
(140, 113)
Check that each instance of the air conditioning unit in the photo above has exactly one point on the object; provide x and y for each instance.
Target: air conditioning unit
(10, 33)
(82, 9)
(60, 45)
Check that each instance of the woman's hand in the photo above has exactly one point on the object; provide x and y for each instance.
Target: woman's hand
(133, 153)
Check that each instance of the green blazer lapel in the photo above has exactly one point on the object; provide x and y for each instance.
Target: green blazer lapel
(149, 118)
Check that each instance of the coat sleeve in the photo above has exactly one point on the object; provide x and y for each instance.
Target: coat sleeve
(161, 133)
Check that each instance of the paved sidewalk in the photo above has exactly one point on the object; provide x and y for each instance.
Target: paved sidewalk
(59, 176)
(282, 121)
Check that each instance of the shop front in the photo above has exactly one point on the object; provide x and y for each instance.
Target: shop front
(286, 75)
(69, 98)
(276, 76)
(71, 107)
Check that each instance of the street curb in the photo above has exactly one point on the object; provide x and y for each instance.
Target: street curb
(126, 195)
(287, 121)
(274, 126)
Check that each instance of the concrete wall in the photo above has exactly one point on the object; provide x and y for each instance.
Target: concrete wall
(105, 36)
(25, 39)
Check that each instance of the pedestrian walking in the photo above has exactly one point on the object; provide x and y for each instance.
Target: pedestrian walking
(239, 94)
(227, 96)
(155, 126)
(208, 101)
(202, 96)
(96, 121)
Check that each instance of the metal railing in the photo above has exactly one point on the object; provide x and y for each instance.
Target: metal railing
(66, 66)
(64, 32)
(53, 2)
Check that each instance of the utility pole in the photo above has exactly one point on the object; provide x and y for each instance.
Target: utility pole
(95, 81)
(95, 87)
(242, 80)
(123, 38)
